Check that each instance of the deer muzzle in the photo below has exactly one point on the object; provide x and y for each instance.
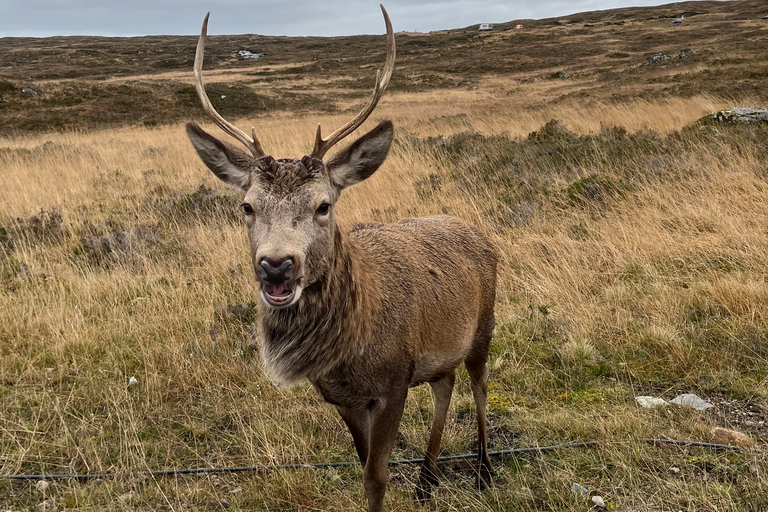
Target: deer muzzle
(278, 287)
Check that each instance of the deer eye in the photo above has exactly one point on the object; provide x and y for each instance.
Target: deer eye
(248, 209)
(323, 209)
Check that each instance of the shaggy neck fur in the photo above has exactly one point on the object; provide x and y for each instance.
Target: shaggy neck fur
(330, 323)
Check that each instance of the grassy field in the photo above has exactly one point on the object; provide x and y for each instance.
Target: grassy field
(633, 241)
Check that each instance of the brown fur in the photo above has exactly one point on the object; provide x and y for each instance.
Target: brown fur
(406, 298)
(377, 310)
(367, 314)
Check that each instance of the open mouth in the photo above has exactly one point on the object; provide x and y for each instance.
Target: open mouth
(278, 294)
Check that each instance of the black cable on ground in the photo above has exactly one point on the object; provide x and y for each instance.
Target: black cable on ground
(320, 465)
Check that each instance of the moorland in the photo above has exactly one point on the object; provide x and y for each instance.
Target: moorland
(633, 234)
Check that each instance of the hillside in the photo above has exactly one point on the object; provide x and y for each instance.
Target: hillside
(85, 82)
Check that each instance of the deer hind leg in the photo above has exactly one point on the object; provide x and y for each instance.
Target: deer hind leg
(442, 389)
(385, 420)
(477, 367)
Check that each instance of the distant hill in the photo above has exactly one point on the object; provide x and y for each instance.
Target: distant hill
(100, 81)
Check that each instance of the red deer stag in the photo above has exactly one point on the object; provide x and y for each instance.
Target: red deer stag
(365, 314)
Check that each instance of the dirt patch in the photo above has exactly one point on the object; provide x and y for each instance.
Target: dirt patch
(744, 414)
(749, 415)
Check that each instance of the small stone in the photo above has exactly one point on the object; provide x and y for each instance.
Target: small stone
(731, 438)
(658, 58)
(578, 489)
(236, 490)
(598, 501)
(224, 503)
(693, 401)
(649, 402)
(741, 115)
(684, 54)
(42, 485)
(674, 470)
(247, 54)
(133, 381)
(29, 92)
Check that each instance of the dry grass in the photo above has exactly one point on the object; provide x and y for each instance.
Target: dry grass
(650, 280)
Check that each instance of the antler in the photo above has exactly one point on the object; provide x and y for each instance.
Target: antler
(252, 143)
(382, 80)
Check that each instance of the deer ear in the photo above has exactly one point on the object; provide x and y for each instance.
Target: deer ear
(229, 164)
(360, 160)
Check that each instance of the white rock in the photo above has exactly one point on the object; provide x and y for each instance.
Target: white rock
(649, 402)
(742, 115)
(689, 400)
(42, 485)
(247, 54)
(578, 489)
(133, 381)
(598, 501)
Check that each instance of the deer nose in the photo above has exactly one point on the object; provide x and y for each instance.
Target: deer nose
(276, 272)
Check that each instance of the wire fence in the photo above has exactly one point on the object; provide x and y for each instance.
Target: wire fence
(401, 462)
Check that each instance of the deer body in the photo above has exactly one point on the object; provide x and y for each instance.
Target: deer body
(365, 314)
(405, 298)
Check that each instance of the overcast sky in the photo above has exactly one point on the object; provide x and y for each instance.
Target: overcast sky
(292, 17)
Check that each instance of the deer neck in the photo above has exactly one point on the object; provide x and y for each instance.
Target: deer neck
(330, 323)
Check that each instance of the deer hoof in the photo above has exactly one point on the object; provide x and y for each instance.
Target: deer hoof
(423, 492)
(483, 481)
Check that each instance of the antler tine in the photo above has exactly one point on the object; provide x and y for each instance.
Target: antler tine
(382, 80)
(251, 143)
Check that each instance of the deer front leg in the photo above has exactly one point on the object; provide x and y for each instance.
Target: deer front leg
(442, 389)
(359, 423)
(385, 420)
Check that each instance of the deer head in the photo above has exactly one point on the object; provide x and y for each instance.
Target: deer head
(289, 203)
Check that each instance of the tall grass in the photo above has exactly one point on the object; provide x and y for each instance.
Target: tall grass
(633, 262)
